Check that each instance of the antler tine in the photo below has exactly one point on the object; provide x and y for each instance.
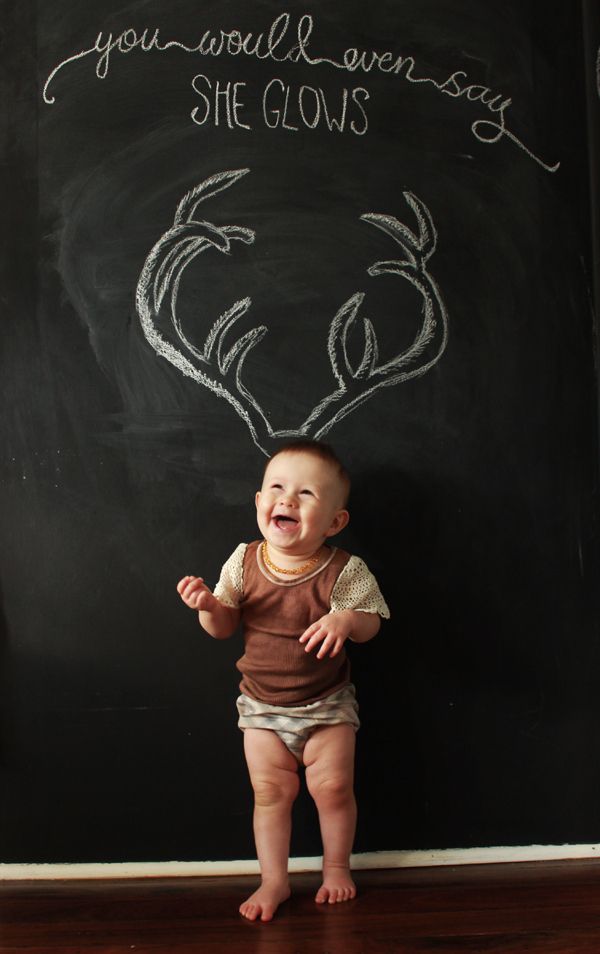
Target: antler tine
(416, 248)
(211, 186)
(336, 342)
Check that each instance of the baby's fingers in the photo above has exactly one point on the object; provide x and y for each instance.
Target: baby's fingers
(312, 637)
(328, 644)
(185, 582)
(309, 633)
(331, 647)
(190, 587)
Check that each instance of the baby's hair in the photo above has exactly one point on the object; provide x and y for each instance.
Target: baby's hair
(323, 452)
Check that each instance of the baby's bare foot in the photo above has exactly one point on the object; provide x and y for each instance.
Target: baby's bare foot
(337, 886)
(265, 901)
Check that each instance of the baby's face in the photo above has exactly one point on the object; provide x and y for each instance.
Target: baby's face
(300, 503)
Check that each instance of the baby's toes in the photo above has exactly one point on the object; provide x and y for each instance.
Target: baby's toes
(322, 895)
(249, 911)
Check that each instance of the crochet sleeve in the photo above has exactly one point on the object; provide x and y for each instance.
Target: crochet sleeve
(230, 588)
(356, 589)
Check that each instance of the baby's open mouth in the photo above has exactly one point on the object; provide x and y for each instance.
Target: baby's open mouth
(284, 523)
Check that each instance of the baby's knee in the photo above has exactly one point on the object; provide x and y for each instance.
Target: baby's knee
(331, 791)
(270, 791)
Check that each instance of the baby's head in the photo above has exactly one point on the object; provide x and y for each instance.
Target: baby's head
(324, 459)
(303, 496)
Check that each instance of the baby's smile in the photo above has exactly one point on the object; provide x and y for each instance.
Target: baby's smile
(284, 522)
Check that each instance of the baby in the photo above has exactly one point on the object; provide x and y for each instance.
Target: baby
(298, 600)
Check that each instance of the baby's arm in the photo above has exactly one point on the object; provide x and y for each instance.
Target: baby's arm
(332, 631)
(218, 620)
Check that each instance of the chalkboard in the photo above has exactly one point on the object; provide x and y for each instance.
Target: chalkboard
(230, 223)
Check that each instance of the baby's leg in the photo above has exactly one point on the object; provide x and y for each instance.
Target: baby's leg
(329, 760)
(274, 776)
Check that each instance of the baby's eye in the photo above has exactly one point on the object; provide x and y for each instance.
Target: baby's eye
(308, 492)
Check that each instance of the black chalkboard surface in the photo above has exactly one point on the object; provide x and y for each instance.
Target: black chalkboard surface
(227, 223)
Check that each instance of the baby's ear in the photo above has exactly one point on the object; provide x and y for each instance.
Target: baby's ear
(339, 522)
(257, 498)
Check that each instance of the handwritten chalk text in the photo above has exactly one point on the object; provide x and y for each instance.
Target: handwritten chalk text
(283, 106)
(289, 41)
(220, 103)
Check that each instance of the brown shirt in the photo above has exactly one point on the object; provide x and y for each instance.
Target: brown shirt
(275, 667)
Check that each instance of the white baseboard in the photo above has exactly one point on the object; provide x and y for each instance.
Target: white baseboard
(368, 860)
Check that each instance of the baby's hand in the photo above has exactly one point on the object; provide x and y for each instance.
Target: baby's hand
(195, 593)
(331, 631)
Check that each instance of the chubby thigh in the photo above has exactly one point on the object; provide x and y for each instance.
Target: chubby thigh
(272, 768)
(328, 757)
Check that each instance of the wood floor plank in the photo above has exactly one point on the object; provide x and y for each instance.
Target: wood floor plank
(512, 909)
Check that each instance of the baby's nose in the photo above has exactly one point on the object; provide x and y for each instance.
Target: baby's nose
(287, 498)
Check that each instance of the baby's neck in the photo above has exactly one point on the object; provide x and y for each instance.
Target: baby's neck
(285, 565)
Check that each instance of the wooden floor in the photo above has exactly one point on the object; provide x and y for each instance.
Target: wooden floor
(550, 907)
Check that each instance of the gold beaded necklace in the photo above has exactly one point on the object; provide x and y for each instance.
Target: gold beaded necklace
(279, 569)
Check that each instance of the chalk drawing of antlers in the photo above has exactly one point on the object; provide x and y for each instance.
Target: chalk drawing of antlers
(219, 367)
